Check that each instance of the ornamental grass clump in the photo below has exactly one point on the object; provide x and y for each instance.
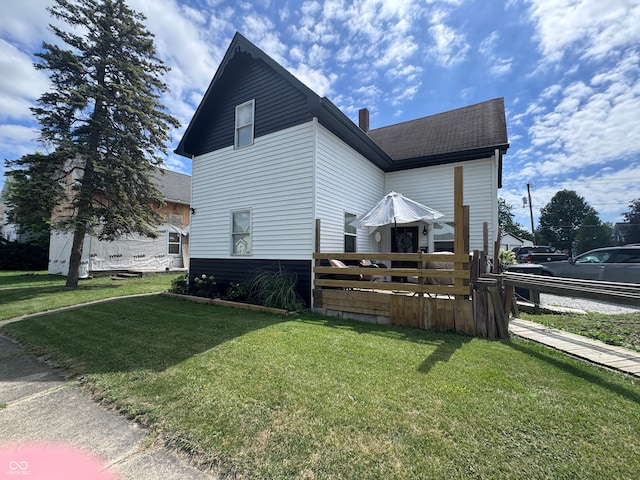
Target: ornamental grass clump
(276, 289)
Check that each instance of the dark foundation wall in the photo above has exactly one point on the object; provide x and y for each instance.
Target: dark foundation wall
(225, 270)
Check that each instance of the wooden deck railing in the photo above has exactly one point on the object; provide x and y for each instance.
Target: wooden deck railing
(422, 278)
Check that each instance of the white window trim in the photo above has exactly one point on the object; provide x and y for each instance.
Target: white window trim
(249, 252)
(251, 123)
(350, 234)
(179, 243)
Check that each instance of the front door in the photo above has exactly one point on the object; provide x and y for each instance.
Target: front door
(404, 239)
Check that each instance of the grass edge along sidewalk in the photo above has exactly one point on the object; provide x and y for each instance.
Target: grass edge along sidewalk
(313, 397)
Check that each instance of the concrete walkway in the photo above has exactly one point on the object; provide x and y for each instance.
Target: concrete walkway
(594, 351)
(41, 406)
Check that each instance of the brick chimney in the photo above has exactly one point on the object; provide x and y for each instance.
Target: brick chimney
(363, 119)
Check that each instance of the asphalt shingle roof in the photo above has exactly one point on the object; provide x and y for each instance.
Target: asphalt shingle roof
(474, 127)
(176, 187)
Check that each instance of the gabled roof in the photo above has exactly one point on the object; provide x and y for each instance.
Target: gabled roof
(320, 107)
(470, 128)
(464, 134)
(175, 187)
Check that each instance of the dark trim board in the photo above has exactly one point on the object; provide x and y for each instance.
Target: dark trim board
(226, 270)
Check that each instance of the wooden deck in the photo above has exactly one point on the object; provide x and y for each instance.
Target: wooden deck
(428, 298)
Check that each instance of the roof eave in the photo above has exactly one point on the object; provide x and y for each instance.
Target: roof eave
(452, 157)
(342, 126)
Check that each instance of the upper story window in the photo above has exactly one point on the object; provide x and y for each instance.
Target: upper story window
(241, 232)
(244, 124)
(350, 233)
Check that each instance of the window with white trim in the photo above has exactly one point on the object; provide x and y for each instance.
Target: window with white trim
(443, 237)
(241, 232)
(244, 124)
(350, 233)
(173, 247)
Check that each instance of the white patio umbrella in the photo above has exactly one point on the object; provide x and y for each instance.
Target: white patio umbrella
(395, 208)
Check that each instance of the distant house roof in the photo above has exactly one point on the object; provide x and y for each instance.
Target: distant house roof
(467, 133)
(174, 186)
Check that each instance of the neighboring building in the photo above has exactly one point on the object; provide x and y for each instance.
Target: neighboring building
(270, 157)
(510, 241)
(623, 232)
(168, 251)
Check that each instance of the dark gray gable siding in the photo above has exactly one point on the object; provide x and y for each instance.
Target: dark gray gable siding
(278, 105)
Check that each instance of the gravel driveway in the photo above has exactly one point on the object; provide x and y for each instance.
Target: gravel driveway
(585, 305)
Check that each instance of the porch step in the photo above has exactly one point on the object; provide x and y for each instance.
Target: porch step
(125, 275)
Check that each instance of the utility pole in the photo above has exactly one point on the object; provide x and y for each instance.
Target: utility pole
(531, 213)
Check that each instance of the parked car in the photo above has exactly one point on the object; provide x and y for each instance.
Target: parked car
(538, 254)
(610, 264)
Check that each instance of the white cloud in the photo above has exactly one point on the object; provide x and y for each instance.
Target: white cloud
(450, 47)
(591, 124)
(596, 27)
(18, 140)
(26, 22)
(17, 96)
(318, 81)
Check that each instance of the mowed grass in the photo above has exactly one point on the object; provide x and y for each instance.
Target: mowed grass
(23, 293)
(309, 397)
(614, 329)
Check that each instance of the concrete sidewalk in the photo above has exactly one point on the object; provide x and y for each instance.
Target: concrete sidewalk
(44, 407)
(594, 351)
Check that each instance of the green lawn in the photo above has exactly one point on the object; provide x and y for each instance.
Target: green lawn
(23, 293)
(614, 329)
(309, 397)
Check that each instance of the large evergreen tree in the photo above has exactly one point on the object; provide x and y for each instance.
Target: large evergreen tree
(561, 218)
(103, 120)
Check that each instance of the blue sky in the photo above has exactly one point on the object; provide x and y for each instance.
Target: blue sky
(568, 70)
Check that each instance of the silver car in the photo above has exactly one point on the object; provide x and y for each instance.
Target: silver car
(611, 264)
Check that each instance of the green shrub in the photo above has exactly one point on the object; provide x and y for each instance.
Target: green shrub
(237, 292)
(275, 288)
(204, 286)
(180, 285)
(506, 257)
(33, 255)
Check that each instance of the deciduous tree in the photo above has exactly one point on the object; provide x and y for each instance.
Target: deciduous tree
(561, 218)
(31, 192)
(632, 232)
(592, 233)
(508, 224)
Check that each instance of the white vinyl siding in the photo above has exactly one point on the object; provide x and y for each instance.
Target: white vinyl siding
(433, 186)
(274, 179)
(345, 182)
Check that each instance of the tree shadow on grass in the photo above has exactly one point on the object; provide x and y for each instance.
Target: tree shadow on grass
(133, 334)
(19, 294)
(574, 367)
